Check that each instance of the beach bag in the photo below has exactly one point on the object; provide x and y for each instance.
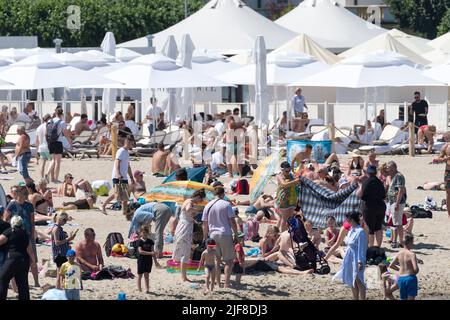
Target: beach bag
(133, 252)
(112, 239)
(375, 256)
(52, 131)
(242, 187)
(420, 213)
(101, 187)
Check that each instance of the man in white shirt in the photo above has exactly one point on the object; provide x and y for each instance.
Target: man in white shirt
(41, 142)
(218, 166)
(121, 171)
(298, 103)
(153, 113)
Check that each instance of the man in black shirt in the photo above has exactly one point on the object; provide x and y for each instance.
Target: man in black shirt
(3, 226)
(373, 193)
(419, 110)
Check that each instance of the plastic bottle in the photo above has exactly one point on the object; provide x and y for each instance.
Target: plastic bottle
(121, 296)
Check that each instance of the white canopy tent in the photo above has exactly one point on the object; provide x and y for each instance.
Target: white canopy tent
(440, 73)
(329, 24)
(170, 50)
(388, 43)
(381, 69)
(125, 55)
(416, 44)
(13, 54)
(226, 26)
(437, 56)
(212, 65)
(442, 42)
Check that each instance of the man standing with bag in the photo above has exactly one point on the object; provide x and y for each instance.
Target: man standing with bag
(120, 173)
(219, 224)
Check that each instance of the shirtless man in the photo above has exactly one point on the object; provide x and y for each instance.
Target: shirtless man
(89, 252)
(406, 263)
(301, 156)
(445, 157)
(23, 153)
(82, 125)
(159, 160)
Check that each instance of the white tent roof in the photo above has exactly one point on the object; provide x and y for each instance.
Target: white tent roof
(440, 73)
(155, 71)
(437, 56)
(228, 26)
(282, 69)
(304, 44)
(44, 71)
(212, 65)
(385, 42)
(330, 25)
(124, 54)
(377, 69)
(442, 42)
(417, 44)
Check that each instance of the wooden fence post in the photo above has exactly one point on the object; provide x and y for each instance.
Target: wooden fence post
(114, 129)
(332, 133)
(412, 150)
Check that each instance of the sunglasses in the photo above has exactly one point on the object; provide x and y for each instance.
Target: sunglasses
(69, 177)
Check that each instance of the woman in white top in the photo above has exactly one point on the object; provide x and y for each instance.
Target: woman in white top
(41, 142)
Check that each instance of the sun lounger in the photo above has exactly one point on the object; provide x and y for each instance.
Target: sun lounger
(390, 137)
(83, 138)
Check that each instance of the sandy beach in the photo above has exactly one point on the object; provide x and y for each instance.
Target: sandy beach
(432, 245)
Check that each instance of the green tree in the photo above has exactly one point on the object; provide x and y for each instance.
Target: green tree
(444, 26)
(422, 16)
(128, 19)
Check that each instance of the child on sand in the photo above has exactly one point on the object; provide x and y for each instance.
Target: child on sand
(331, 233)
(70, 273)
(407, 280)
(209, 260)
(144, 261)
(313, 234)
(390, 280)
(239, 261)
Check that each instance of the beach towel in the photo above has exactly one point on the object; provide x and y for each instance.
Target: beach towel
(317, 202)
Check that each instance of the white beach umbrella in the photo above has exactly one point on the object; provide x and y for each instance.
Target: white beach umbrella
(378, 69)
(109, 95)
(154, 71)
(261, 100)
(13, 54)
(187, 94)
(125, 55)
(440, 73)
(282, 69)
(43, 71)
(170, 50)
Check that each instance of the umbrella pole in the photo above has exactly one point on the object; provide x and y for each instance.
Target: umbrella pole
(385, 107)
(288, 109)
(366, 110)
(121, 100)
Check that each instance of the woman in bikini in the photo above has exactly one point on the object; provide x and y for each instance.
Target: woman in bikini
(86, 197)
(67, 189)
(267, 244)
(40, 205)
(356, 165)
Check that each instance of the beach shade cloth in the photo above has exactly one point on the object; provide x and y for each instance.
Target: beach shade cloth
(440, 73)
(378, 69)
(109, 95)
(437, 57)
(329, 24)
(212, 65)
(317, 202)
(194, 174)
(170, 50)
(442, 42)
(125, 55)
(304, 44)
(6, 85)
(187, 94)
(262, 174)
(385, 42)
(178, 192)
(157, 72)
(44, 71)
(261, 99)
(282, 69)
(225, 26)
(14, 55)
(417, 44)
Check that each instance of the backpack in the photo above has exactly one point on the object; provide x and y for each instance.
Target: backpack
(111, 240)
(52, 134)
(242, 187)
(375, 256)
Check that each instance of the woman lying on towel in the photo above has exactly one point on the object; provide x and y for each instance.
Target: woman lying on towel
(86, 197)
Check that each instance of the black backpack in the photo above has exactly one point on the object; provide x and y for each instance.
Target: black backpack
(420, 213)
(111, 240)
(52, 134)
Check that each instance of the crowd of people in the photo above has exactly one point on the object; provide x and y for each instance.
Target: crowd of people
(217, 228)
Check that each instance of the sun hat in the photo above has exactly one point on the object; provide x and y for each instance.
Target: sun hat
(70, 253)
(137, 173)
(355, 153)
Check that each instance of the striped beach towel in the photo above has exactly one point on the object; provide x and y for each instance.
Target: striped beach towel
(317, 202)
